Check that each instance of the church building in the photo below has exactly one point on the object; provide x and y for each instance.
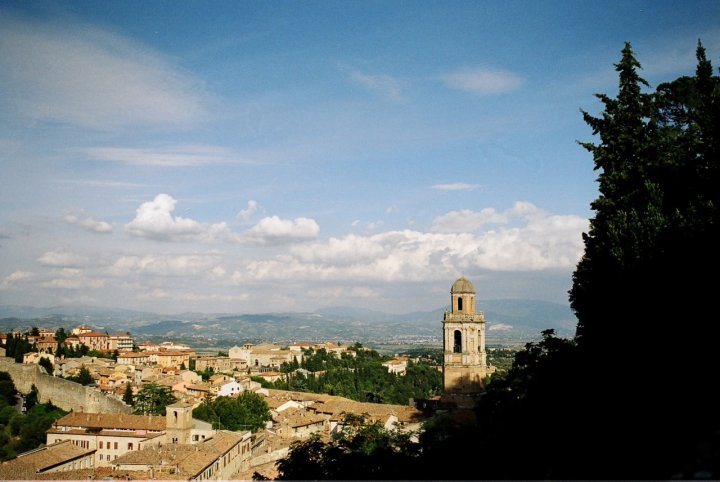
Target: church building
(464, 357)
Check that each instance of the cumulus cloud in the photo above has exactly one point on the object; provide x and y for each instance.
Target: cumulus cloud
(467, 221)
(274, 230)
(384, 85)
(245, 214)
(16, 277)
(81, 75)
(63, 259)
(168, 265)
(154, 219)
(456, 186)
(533, 240)
(89, 224)
(483, 81)
(71, 279)
(174, 156)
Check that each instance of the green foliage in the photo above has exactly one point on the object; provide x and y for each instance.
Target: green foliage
(573, 409)
(361, 451)
(61, 335)
(641, 288)
(128, 396)
(47, 365)
(152, 399)
(20, 433)
(83, 377)
(16, 346)
(32, 398)
(361, 378)
(249, 411)
(7, 389)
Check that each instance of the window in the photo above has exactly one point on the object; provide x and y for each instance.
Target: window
(116, 446)
(457, 345)
(459, 304)
(101, 456)
(101, 444)
(130, 446)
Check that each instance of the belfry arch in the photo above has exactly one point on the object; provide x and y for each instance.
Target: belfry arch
(464, 357)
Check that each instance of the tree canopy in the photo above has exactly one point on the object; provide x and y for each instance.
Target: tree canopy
(633, 395)
(249, 411)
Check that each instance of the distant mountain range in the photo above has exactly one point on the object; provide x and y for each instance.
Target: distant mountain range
(509, 322)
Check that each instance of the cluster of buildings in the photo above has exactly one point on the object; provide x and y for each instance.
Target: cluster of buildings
(176, 446)
(100, 445)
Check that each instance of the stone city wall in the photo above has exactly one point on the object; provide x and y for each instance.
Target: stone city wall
(62, 393)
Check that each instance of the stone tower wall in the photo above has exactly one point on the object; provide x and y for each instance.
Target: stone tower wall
(62, 393)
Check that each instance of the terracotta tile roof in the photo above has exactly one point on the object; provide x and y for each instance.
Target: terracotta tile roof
(111, 421)
(336, 408)
(190, 460)
(286, 395)
(298, 417)
(26, 465)
(108, 433)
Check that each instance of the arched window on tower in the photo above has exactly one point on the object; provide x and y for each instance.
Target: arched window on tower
(459, 303)
(457, 345)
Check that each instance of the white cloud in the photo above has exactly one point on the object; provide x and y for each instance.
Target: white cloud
(456, 186)
(82, 75)
(154, 219)
(71, 279)
(535, 241)
(466, 221)
(274, 230)
(384, 85)
(62, 258)
(175, 156)
(168, 265)
(246, 214)
(89, 224)
(16, 277)
(483, 81)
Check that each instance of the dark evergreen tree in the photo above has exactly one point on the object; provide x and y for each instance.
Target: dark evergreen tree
(47, 365)
(641, 288)
(61, 335)
(128, 397)
(152, 399)
(83, 377)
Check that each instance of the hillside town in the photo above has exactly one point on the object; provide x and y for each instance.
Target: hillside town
(83, 444)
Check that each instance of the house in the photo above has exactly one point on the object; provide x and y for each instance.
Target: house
(46, 344)
(397, 366)
(33, 357)
(120, 342)
(57, 457)
(172, 358)
(218, 458)
(80, 330)
(131, 358)
(230, 388)
(94, 341)
(298, 423)
(109, 435)
(392, 417)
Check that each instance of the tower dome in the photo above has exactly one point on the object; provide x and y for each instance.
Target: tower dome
(462, 285)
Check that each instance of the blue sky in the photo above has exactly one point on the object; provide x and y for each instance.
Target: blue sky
(270, 156)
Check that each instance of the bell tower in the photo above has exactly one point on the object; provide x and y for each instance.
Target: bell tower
(464, 358)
